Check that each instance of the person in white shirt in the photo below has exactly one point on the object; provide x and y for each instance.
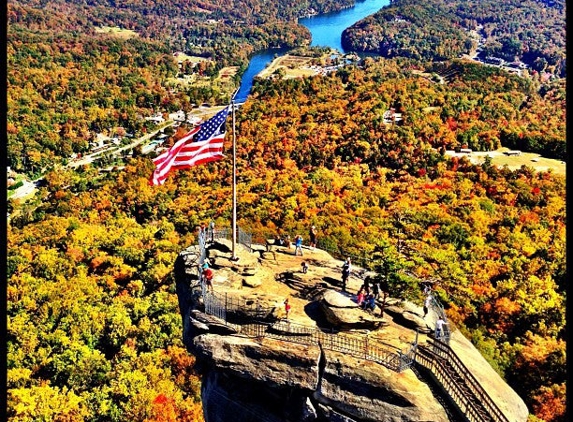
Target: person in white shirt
(440, 327)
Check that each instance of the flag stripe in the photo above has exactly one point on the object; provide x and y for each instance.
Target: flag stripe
(188, 154)
(200, 145)
(176, 147)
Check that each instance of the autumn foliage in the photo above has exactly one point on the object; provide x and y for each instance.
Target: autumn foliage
(93, 323)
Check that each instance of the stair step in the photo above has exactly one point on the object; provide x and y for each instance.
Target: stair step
(458, 379)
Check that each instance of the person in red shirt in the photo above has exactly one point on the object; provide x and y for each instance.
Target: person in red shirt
(208, 277)
(287, 307)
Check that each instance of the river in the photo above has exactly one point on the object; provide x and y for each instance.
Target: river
(326, 31)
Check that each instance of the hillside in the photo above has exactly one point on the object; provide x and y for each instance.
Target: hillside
(532, 31)
(85, 69)
(94, 327)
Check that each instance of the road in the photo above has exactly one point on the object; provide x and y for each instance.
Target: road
(28, 188)
(116, 151)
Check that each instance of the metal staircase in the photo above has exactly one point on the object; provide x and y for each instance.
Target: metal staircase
(464, 391)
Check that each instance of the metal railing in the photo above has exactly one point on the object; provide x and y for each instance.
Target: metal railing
(445, 333)
(459, 383)
(213, 305)
(249, 318)
(210, 234)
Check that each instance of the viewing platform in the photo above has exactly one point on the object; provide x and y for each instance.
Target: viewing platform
(246, 311)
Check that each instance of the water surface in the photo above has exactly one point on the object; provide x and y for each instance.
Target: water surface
(326, 31)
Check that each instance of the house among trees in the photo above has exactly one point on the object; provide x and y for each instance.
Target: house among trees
(100, 143)
(494, 60)
(178, 116)
(390, 116)
(157, 118)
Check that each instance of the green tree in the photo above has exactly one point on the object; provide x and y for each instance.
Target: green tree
(389, 268)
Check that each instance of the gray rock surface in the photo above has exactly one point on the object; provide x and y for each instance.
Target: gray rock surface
(367, 391)
(336, 299)
(248, 376)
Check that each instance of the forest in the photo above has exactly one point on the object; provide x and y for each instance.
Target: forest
(67, 82)
(93, 325)
(531, 31)
(98, 288)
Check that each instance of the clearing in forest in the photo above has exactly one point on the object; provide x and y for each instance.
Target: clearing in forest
(117, 31)
(294, 66)
(500, 158)
(228, 72)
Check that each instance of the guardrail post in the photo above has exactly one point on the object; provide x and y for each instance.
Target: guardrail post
(226, 308)
(366, 345)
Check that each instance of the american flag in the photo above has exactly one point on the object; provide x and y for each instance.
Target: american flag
(202, 144)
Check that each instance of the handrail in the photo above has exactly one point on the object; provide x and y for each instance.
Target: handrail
(443, 351)
(452, 388)
(210, 234)
(222, 306)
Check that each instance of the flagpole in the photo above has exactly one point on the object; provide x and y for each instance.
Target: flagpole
(234, 257)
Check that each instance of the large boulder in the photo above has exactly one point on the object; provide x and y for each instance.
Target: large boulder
(342, 313)
(248, 374)
(275, 363)
(285, 381)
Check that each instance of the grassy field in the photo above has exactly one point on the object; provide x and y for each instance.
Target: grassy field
(529, 159)
(117, 31)
(186, 58)
(294, 66)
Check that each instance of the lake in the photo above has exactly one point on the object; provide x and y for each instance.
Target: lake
(326, 31)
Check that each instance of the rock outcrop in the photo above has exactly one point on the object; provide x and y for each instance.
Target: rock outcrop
(249, 375)
(343, 313)
(281, 381)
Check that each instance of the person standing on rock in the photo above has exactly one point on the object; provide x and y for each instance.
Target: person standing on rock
(366, 284)
(202, 269)
(287, 307)
(346, 268)
(208, 277)
(304, 267)
(440, 328)
(427, 304)
(212, 231)
(298, 245)
(376, 291)
(312, 236)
